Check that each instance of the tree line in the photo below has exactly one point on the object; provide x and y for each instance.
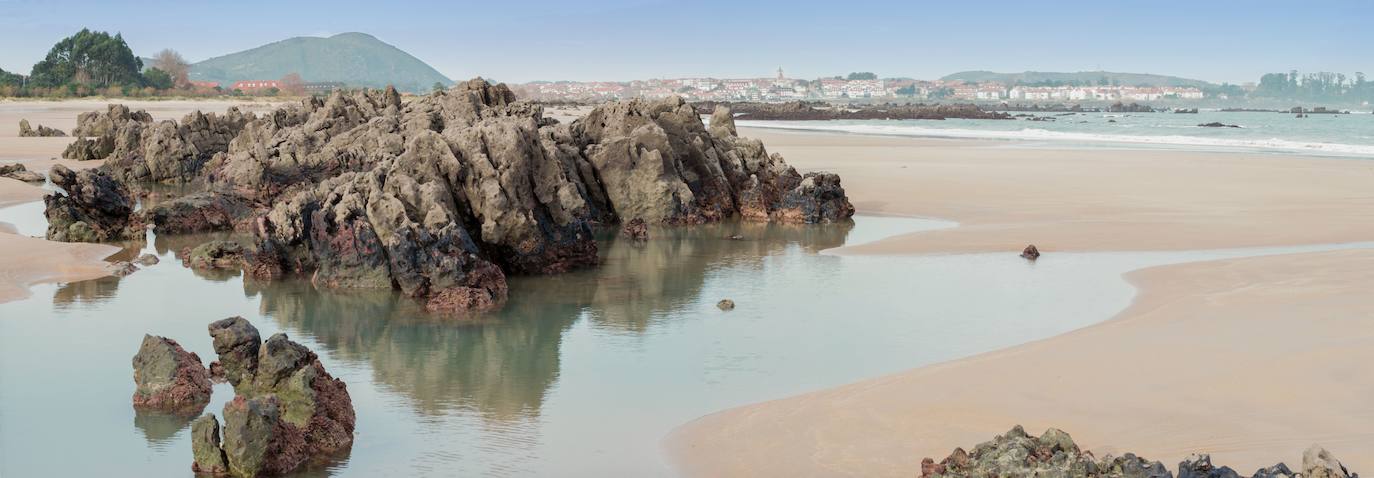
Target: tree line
(98, 63)
(1315, 86)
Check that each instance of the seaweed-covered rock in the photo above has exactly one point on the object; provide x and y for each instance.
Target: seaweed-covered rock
(287, 411)
(94, 208)
(168, 378)
(636, 229)
(26, 131)
(818, 198)
(200, 212)
(216, 254)
(206, 447)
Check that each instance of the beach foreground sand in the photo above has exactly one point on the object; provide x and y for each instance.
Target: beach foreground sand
(1251, 360)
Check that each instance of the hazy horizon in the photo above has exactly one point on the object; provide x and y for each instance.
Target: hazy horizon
(628, 39)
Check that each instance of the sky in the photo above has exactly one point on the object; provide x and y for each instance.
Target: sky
(520, 41)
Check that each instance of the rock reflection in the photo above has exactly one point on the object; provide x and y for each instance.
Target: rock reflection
(159, 429)
(501, 365)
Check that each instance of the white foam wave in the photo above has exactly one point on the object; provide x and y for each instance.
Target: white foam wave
(1032, 134)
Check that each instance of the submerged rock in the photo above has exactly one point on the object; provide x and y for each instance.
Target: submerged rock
(1030, 252)
(636, 230)
(95, 207)
(168, 378)
(146, 260)
(725, 304)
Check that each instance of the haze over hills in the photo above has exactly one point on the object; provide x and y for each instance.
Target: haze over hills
(356, 59)
(1082, 77)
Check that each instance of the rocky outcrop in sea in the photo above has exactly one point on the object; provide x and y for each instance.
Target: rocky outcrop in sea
(94, 207)
(442, 196)
(287, 411)
(18, 172)
(167, 378)
(1054, 453)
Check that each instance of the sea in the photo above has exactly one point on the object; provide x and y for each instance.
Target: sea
(1349, 135)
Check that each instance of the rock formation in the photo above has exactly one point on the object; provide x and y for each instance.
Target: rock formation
(94, 208)
(1054, 453)
(217, 254)
(636, 229)
(26, 131)
(443, 195)
(287, 411)
(168, 378)
(18, 172)
(1030, 253)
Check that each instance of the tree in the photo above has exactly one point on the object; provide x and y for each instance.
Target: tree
(89, 58)
(862, 75)
(437, 87)
(175, 66)
(10, 79)
(158, 79)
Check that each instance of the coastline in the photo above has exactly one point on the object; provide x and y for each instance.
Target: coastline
(1228, 357)
(1239, 358)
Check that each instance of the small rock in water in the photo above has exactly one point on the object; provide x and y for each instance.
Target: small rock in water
(146, 260)
(121, 269)
(1030, 252)
(737, 237)
(725, 304)
(636, 229)
(168, 378)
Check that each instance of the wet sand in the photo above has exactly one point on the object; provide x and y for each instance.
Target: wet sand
(1251, 360)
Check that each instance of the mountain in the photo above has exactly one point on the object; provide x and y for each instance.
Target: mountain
(1082, 77)
(356, 59)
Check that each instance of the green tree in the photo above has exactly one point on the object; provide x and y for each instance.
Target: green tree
(10, 79)
(158, 79)
(437, 87)
(94, 59)
(862, 75)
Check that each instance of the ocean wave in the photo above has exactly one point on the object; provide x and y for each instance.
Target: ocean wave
(1033, 134)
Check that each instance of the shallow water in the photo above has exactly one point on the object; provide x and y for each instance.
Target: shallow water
(581, 374)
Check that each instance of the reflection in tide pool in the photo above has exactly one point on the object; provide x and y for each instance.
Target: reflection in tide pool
(581, 374)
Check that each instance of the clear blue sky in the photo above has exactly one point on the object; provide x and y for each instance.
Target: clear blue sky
(518, 41)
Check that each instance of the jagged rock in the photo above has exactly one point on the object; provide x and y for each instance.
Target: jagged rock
(236, 343)
(725, 304)
(443, 195)
(1200, 466)
(17, 171)
(89, 149)
(636, 229)
(106, 123)
(25, 131)
(216, 254)
(1319, 463)
(1030, 253)
(1131, 466)
(1277, 471)
(146, 260)
(287, 411)
(723, 122)
(205, 446)
(1015, 453)
(95, 207)
(168, 378)
(817, 199)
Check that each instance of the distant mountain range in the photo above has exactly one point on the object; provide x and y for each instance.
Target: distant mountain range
(1082, 77)
(355, 59)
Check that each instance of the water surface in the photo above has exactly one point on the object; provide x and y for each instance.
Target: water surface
(581, 374)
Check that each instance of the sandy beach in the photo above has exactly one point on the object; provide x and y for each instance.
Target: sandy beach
(1251, 360)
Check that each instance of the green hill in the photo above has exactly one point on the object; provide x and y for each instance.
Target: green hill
(1081, 78)
(356, 59)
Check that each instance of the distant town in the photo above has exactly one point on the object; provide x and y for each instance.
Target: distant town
(855, 86)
